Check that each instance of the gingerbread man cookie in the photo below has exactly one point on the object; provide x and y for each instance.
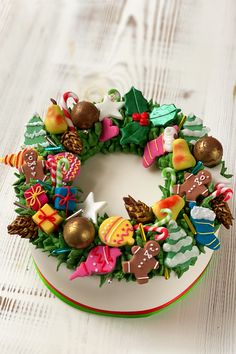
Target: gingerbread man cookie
(32, 167)
(194, 185)
(143, 261)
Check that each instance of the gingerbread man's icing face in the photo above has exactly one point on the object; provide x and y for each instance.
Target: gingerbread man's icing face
(194, 185)
(203, 177)
(32, 168)
(29, 156)
(143, 261)
(152, 248)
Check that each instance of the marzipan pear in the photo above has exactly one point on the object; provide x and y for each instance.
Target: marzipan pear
(55, 122)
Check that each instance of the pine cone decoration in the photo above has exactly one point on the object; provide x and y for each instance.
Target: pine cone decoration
(138, 210)
(72, 142)
(24, 227)
(222, 211)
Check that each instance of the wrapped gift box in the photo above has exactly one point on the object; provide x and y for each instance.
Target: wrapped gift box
(36, 197)
(65, 198)
(47, 219)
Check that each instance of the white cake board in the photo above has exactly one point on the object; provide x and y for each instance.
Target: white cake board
(111, 177)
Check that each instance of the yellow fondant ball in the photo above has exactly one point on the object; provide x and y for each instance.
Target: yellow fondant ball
(116, 232)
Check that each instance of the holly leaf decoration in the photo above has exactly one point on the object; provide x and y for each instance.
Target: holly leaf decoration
(135, 102)
(134, 133)
(163, 115)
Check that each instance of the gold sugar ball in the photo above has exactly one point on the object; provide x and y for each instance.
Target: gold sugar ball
(79, 232)
(84, 114)
(208, 150)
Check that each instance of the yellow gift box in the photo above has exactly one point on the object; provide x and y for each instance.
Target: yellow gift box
(47, 219)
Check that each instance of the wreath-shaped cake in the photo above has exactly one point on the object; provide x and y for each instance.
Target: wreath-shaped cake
(153, 240)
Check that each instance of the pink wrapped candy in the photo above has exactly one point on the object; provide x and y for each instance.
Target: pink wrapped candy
(100, 260)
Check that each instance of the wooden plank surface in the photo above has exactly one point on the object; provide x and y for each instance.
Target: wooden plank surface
(180, 51)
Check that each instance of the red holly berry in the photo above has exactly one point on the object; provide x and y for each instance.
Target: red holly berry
(144, 122)
(136, 117)
(144, 119)
(145, 115)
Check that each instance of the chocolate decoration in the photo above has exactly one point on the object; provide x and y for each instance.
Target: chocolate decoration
(208, 150)
(79, 232)
(84, 114)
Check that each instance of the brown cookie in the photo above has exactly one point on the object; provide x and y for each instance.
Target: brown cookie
(193, 185)
(143, 261)
(32, 168)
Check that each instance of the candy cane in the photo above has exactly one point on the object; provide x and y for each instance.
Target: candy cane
(167, 173)
(219, 190)
(162, 235)
(156, 226)
(163, 231)
(60, 164)
(166, 219)
(65, 108)
(147, 228)
(52, 166)
(228, 192)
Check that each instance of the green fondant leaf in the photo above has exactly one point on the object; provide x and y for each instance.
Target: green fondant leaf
(163, 115)
(133, 132)
(223, 171)
(135, 102)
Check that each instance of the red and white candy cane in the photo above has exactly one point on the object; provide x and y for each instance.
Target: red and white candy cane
(65, 108)
(51, 165)
(162, 231)
(219, 190)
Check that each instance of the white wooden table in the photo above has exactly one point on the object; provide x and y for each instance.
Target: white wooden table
(180, 51)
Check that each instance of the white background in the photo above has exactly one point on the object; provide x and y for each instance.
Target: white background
(180, 52)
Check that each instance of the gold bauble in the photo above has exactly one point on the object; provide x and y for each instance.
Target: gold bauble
(208, 150)
(79, 232)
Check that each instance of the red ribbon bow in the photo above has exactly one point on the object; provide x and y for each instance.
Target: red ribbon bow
(33, 194)
(44, 217)
(64, 199)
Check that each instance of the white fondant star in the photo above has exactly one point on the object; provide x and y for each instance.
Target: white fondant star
(109, 108)
(91, 208)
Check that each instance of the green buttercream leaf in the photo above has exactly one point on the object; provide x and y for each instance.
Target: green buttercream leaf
(135, 102)
(133, 132)
(223, 171)
(163, 115)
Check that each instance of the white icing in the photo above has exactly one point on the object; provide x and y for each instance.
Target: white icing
(181, 258)
(36, 145)
(176, 235)
(168, 138)
(196, 133)
(178, 245)
(173, 224)
(35, 124)
(33, 135)
(196, 121)
(202, 213)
